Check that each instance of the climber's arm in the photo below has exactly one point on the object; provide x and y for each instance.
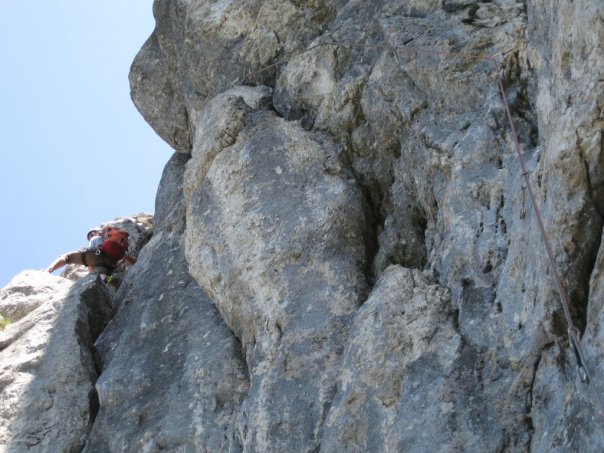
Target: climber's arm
(58, 263)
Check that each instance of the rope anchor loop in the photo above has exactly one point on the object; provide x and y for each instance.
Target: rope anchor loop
(575, 338)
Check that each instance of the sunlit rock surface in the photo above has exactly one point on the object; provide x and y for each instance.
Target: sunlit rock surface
(345, 256)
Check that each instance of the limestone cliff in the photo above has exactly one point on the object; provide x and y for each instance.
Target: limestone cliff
(345, 256)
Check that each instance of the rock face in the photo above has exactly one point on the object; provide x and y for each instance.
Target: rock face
(47, 369)
(345, 256)
(275, 234)
(406, 328)
(173, 372)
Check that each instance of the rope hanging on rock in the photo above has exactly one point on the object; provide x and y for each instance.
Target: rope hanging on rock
(573, 332)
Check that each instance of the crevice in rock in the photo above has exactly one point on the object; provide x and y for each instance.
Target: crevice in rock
(583, 246)
(455, 319)
(595, 193)
(329, 396)
(95, 311)
(581, 301)
(469, 381)
(390, 239)
(93, 404)
(266, 75)
(375, 220)
(529, 401)
(240, 355)
(521, 91)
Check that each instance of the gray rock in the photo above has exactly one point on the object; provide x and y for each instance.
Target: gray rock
(169, 203)
(410, 382)
(446, 188)
(26, 292)
(275, 236)
(47, 369)
(352, 261)
(396, 388)
(423, 135)
(568, 57)
(172, 373)
(156, 92)
(199, 49)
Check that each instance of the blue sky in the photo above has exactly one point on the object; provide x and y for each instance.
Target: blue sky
(75, 151)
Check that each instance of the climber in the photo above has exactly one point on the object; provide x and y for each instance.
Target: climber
(95, 239)
(106, 248)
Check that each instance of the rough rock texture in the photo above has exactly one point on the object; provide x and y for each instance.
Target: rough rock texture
(403, 344)
(47, 370)
(345, 256)
(275, 230)
(570, 103)
(199, 49)
(173, 373)
(421, 142)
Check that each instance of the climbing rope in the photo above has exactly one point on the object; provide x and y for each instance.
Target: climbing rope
(573, 332)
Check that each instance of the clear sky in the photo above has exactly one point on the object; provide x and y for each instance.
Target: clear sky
(75, 152)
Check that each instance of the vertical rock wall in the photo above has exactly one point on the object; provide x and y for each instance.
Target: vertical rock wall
(173, 374)
(365, 231)
(345, 256)
(275, 234)
(47, 368)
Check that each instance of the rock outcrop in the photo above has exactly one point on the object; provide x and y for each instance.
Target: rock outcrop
(173, 372)
(345, 256)
(47, 366)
